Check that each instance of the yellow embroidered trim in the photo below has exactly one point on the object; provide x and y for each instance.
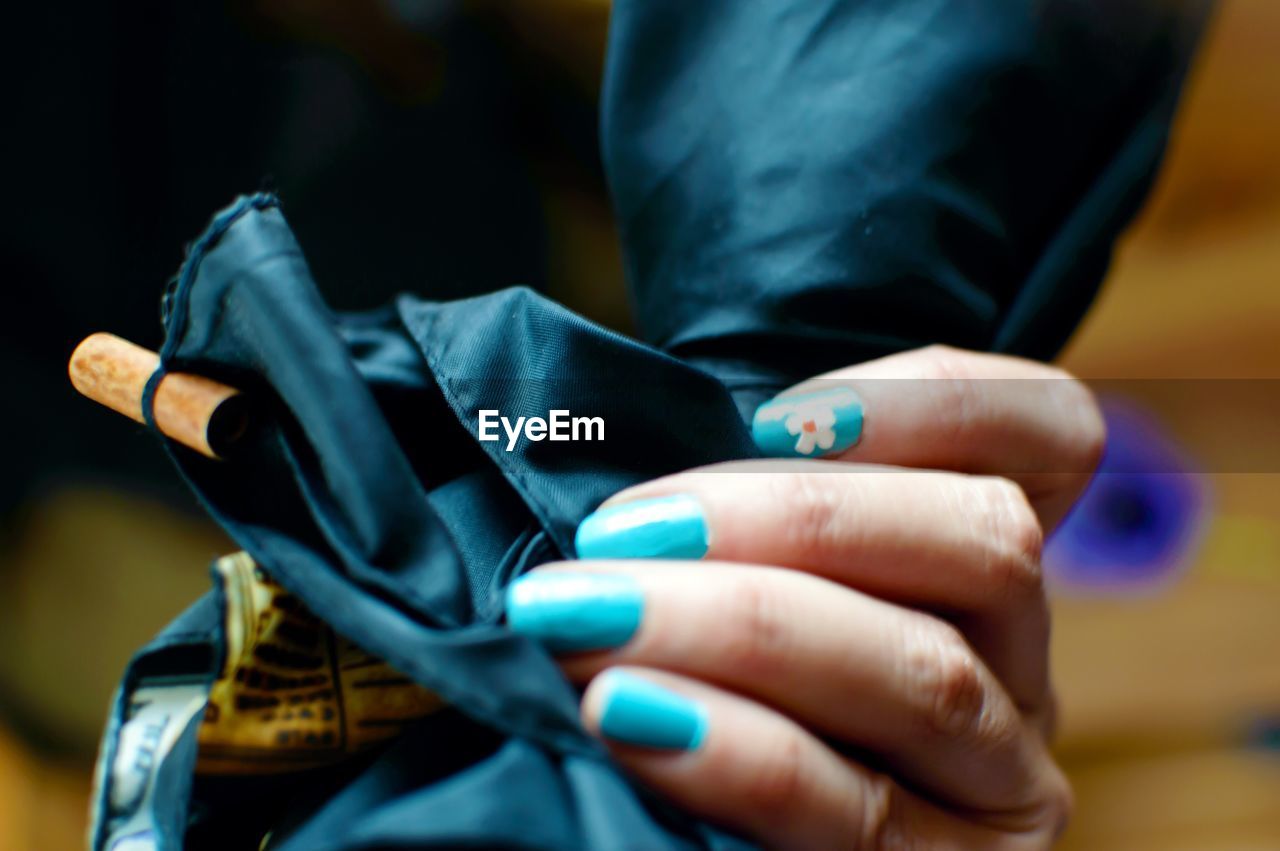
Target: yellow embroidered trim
(293, 694)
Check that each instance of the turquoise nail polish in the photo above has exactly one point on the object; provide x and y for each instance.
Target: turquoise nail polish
(668, 527)
(638, 712)
(575, 611)
(809, 424)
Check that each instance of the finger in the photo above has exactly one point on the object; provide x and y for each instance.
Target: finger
(964, 546)
(752, 770)
(946, 409)
(889, 680)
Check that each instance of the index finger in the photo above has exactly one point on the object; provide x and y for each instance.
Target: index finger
(946, 409)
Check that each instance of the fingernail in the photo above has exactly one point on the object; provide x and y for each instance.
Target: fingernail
(809, 424)
(638, 712)
(667, 527)
(575, 612)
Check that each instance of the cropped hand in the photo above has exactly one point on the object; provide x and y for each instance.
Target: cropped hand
(849, 652)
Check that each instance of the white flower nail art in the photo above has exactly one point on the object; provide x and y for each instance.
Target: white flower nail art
(812, 418)
(813, 426)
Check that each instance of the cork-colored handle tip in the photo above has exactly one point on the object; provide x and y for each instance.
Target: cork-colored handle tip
(199, 413)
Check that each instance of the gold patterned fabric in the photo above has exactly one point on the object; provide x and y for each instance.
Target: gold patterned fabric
(292, 693)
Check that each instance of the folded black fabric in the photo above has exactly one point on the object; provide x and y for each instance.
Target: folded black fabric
(815, 183)
(363, 489)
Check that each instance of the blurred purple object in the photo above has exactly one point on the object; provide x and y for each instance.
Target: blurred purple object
(1141, 518)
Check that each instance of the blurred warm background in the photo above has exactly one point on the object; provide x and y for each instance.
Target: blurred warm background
(1172, 698)
(1170, 692)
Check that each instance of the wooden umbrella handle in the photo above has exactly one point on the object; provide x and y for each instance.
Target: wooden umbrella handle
(200, 413)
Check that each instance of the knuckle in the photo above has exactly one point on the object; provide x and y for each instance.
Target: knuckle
(815, 509)
(949, 376)
(1061, 802)
(1014, 538)
(881, 826)
(946, 694)
(779, 782)
(942, 361)
(1082, 419)
(755, 638)
(1092, 438)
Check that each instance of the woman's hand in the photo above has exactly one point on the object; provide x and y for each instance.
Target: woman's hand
(858, 659)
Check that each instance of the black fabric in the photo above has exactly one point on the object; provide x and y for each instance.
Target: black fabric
(377, 525)
(816, 183)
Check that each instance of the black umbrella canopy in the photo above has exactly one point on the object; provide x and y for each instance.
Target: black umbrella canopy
(799, 187)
